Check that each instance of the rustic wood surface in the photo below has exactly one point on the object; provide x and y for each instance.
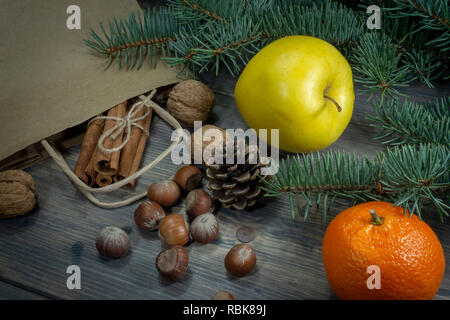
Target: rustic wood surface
(37, 249)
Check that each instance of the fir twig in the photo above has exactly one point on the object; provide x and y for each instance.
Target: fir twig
(432, 15)
(328, 20)
(412, 123)
(407, 176)
(206, 10)
(377, 64)
(218, 45)
(213, 34)
(425, 65)
(130, 41)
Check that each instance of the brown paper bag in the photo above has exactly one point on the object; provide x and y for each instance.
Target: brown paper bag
(50, 80)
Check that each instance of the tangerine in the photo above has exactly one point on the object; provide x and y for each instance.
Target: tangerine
(407, 252)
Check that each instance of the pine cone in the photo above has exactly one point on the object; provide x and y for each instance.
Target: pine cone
(237, 186)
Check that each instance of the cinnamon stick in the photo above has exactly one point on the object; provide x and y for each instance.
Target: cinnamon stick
(103, 180)
(140, 149)
(90, 170)
(129, 152)
(87, 149)
(108, 163)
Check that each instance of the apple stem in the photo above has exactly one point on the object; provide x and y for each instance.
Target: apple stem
(335, 102)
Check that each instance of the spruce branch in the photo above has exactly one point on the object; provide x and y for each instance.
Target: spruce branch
(221, 44)
(253, 25)
(377, 64)
(130, 41)
(424, 66)
(208, 29)
(408, 176)
(412, 122)
(189, 10)
(213, 34)
(439, 108)
(328, 20)
(431, 15)
(417, 35)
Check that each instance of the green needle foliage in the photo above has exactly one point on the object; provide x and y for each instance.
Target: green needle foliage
(204, 35)
(377, 61)
(207, 10)
(128, 42)
(412, 122)
(421, 30)
(408, 176)
(327, 20)
(425, 66)
(430, 16)
(219, 45)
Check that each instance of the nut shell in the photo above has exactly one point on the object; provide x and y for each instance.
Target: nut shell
(188, 177)
(148, 215)
(240, 260)
(190, 101)
(198, 202)
(166, 193)
(17, 193)
(173, 263)
(112, 242)
(205, 228)
(174, 230)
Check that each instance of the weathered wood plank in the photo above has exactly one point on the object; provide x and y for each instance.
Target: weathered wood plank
(11, 292)
(37, 249)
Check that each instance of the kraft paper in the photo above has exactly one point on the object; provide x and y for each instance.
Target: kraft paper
(50, 80)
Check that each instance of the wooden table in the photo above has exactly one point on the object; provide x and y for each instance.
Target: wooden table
(37, 249)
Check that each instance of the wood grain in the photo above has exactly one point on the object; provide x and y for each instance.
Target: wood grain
(13, 292)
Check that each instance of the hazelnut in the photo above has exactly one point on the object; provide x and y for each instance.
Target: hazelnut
(174, 230)
(190, 101)
(148, 215)
(172, 263)
(188, 177)
(165, 193)
(113, 242)
(198, 202)
(240, 260)
(17, 193)
(205, 228)
(223, 295)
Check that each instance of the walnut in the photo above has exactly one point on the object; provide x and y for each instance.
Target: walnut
(190, 101)
(17, 193)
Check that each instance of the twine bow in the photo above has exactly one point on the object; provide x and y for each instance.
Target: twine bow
(126, 123)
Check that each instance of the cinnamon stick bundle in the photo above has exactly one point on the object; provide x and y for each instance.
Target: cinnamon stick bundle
(100, 169)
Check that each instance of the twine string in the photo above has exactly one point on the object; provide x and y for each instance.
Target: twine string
(125, 124)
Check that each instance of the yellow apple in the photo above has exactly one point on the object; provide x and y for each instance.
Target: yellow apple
(301, 85)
